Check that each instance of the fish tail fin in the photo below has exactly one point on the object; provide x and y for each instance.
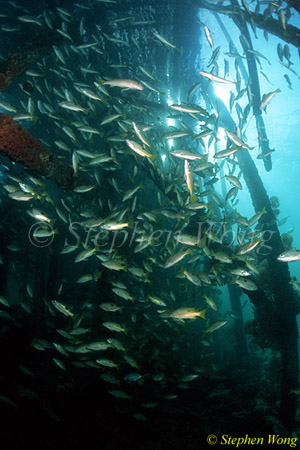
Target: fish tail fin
(194, 198)
(114, 159)
(130, 223)
(97, 275)
(41, 198)
(202, 242)
(203, 314)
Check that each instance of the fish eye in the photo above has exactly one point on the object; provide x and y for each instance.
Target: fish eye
(27, 86)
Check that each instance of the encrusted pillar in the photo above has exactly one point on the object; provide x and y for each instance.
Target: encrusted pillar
(20, 146)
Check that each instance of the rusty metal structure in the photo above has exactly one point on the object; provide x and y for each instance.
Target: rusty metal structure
(20, 61)
(15, 142)
(20, 146)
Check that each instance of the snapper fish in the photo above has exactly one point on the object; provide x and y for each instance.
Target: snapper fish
(215, 326)
(247, 284)
(111, 307)
(174, 259)
(62, 308)
(113, 326)
(237, 140)
(137, 148)
(166, 43)
(124, 84)
(189, 109)
(185, 154)
(289, 256)
(267, 98)
(188, 174)
(185, 313)
(213, 77)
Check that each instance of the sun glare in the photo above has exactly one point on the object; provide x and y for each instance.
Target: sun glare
(223, 92)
